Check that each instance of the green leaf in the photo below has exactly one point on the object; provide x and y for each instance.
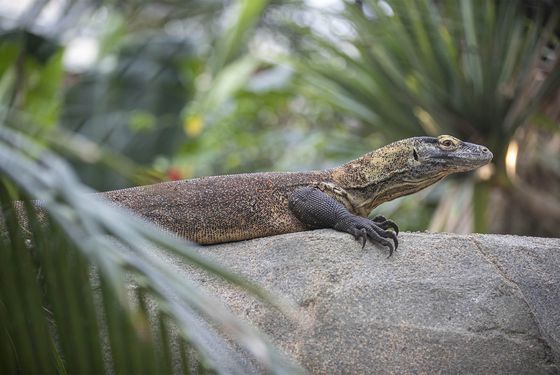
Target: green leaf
(467, 68)
(76, 291)
(246, 15)
(43, 95)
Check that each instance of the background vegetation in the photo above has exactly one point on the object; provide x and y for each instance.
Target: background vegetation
(111, 95)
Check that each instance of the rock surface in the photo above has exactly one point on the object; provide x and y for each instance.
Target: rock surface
(442, 304)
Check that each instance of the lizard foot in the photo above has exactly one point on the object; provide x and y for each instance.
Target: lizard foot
(316, 209)
(363, 229)
(385, 223)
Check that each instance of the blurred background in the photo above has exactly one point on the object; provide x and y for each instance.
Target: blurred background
(134, 92)
(124, 93)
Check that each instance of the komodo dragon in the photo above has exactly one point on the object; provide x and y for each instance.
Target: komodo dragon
(218, 209)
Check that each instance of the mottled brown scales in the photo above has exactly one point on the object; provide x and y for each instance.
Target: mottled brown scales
(221, 208)
(237, 207)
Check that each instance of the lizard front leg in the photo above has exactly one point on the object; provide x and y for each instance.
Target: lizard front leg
(318, 210)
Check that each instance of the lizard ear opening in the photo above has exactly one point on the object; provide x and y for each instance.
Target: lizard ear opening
(415, 154)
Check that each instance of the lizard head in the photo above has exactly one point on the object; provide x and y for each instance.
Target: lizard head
(445, 155)
(405, 167)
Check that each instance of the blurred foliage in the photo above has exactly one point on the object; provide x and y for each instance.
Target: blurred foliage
(179, 89)
(31, 76)
(475, 69)
(426, 67)
(82, 290)
(267, 127)
(133, 108)
(169, 95)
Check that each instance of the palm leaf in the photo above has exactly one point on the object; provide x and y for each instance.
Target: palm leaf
(467, 65)
(73, 309)
(469, 68)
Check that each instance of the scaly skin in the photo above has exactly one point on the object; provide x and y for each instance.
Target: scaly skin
(229, 208)
(218, 209)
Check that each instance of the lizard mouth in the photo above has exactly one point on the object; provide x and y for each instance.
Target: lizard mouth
(469, 153)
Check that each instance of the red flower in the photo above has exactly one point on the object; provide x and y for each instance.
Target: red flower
(174, 174)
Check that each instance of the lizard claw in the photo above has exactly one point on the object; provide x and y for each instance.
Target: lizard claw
(363, 229)
(385, 223)
(362, 234)
(393, 236)
(379, 219)
(316, 209)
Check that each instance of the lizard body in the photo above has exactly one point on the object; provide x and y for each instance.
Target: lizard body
(219, 209)
(229, 208)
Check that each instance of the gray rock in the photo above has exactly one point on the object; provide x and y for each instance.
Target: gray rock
(442, 304)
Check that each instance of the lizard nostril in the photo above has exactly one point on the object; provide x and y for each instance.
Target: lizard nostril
(484, 149)
(415, 154)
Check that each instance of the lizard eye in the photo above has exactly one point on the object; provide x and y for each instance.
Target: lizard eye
(414, 154)
(447, 143)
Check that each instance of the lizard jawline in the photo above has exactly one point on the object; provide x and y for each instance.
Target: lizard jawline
(379, 195)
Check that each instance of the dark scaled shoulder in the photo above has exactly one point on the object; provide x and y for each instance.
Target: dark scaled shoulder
(317, 209)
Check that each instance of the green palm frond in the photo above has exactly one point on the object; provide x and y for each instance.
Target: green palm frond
(476, 69)
(467, 68)
(84, 291)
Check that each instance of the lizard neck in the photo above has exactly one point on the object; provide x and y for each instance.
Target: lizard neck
(380, 176)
